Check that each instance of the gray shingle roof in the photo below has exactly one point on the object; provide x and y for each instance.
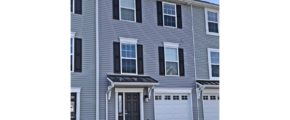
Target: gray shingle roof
(131, 78)
(208, 82)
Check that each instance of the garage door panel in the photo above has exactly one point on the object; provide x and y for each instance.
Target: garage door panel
(211, 106)
(173, 109)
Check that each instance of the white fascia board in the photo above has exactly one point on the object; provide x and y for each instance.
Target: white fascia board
(172, 90)
(171, 44)
(75, 89)
(133, 84)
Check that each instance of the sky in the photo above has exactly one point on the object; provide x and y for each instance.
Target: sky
(213, 1)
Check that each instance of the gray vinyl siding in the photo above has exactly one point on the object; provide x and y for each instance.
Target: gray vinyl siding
(202, 42)
(151, 37)
(84, 26)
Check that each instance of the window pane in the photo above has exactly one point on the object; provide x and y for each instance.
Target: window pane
(128, 65)
(167, 97)
(127, 14)
(169, 9)
(212, 97)
(212, 16)
(184, 97)
(171, 54)
(175, 97)
(120, 103)
(128, 50)
(213, 27)
(214, 57)
(128, 4)
(215, 70)
(171, 68)
(169, 21)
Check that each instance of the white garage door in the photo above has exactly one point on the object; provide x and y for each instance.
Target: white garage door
(173, 107)
(211, 106)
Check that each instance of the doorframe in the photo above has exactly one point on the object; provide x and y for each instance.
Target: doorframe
(77, 90)
(129, 90)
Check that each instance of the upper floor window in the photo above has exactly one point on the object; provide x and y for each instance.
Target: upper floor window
(213, 55)
(212, 22)
(127, 10)
(76, 6)
(75, 54)
(128, 56)
(171, 60)
(169, 14)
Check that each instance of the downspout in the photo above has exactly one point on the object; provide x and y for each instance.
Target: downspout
(97, 59)
(192, 29)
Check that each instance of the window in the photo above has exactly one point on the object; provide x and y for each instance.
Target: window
(169, 14)
(128, 57)
(213, 55)
(127, 10)
(175, 97)
(212, 25)
(205, 97)
(158, 97)
(184, 97)
(75, 54)
(167, 97)
(76, 6)
(212, 97)
(171, 60)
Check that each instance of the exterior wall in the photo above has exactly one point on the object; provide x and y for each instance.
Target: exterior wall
(150, 35)
(202, 42)
(84, 26)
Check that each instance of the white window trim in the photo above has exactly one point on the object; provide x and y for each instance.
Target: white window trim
(128, 41)
(206, 21)
(187, 91)
(127, 8)
(73, 51)
(209, 50)
(175, 46)
(78, 91)
(128, 90)
(169, 14)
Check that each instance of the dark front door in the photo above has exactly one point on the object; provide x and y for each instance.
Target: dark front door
(132, 106)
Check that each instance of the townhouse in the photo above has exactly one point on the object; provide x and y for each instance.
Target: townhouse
(135, 59)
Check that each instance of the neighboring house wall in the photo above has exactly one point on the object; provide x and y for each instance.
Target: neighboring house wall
(84, 27)
(151, 36)
(202, 42)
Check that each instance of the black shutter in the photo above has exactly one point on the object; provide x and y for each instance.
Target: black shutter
(159, 13)
(116, 54)
(139, 11)
(181, 61)
(116, 9)
(71, 5)
(140, 59)
(161, 61)
(78, 6)
(78, 55)
(179, 16)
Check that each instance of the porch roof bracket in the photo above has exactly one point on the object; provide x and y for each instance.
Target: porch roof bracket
(150, 91)
(110, 87)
